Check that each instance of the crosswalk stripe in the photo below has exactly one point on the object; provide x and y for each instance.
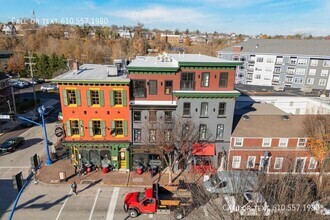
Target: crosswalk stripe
(112, 205)
(97, 195)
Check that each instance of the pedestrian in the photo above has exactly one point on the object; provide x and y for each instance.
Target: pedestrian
(74, 187)
(75, 169)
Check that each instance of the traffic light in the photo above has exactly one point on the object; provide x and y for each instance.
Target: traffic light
(12, 116)
(18, 181)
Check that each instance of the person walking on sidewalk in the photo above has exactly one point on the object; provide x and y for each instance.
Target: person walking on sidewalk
(75, 169)
(74, 187)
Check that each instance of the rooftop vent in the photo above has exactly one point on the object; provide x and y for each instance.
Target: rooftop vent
(257, 46)
(285, 117)
(164, 57)
(246, 117)
(112, 71)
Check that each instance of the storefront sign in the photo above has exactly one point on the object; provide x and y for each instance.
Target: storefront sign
(114, 158)
(155, 163)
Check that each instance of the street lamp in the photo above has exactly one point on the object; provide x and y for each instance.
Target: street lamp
(41, 111)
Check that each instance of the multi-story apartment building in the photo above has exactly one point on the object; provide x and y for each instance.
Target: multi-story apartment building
(177, 88)
(271, 143)
(285, 62)
(96, 116)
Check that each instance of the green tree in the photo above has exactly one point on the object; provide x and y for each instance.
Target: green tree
(42, 67)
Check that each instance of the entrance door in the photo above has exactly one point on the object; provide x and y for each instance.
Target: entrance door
(122, 160)
(300, 164)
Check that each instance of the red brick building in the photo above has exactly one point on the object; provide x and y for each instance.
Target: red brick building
(272, 143)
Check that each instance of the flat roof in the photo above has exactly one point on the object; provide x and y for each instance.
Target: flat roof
(92, 73)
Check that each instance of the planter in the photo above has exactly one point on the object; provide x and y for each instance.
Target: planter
(139, 170)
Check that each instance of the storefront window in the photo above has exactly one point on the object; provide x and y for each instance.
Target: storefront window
(84, 156)
(105, 157)
(94, 157)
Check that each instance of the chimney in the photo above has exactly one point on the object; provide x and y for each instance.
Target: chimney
(76, 66)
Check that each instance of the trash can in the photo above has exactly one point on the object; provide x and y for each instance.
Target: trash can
(105, 168)
(62, 176)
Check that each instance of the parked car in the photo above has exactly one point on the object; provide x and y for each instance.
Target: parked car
(48, 110)
(40, 80)
(321, 207)
(49, 87)
(27, 124)
(11, 144)
(33, 82)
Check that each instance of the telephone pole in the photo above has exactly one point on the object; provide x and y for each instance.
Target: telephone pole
(30, 63)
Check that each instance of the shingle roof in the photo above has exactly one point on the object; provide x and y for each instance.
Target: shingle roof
(284, 46)
(270, 126)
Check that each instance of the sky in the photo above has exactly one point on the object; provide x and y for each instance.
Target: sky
(250, 17)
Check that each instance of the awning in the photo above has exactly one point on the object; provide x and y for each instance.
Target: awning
(204, 149)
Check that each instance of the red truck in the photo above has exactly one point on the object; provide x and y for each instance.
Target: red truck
(159, 200)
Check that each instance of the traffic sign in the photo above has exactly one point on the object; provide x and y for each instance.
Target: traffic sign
(4, 116)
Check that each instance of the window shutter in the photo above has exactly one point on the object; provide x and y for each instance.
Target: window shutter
(112, 100)
(125, 128)
(101, 98)
(124, 98)
(103, 128)
(90, 127)
(65, 97)
(89, 98)
(68, 128)
(113, 128)
(81, 128)
(78, 97)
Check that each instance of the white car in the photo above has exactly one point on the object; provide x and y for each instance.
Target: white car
(321, 207)
(49, 87)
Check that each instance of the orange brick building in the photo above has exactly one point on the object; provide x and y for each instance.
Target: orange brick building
(96, 115)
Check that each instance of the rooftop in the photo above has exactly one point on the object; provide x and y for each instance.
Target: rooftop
(92, 73)
(284, 46)
(257, 109)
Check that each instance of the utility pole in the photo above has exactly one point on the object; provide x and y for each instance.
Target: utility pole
(31, 72)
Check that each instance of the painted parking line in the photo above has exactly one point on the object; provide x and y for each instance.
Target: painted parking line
(58, 215)
(97, 195)
(112, 205)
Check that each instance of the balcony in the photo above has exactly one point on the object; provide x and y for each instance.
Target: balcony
(187, 85)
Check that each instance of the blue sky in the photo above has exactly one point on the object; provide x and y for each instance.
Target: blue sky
(239, 16)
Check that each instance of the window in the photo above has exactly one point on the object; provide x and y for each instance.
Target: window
(137, 135)
(270, 60)
(168, 116)
(279, 60)
(71, 94)
(302, 62)
(312, 163)
(277, 69)
(153, 87)
(314, 62)
(260, 59)
(293, 60)
(168, 87)
(251, 162)
(222, 109)
(119, 128)
(220, 131)
(300, 71)
(291, 70)
(97, 128)
(118, 97)
(223, 80)
(278, 163)
(186, 108)
(167, 135)
(152, 116)
(185, 130)
(310, 81)
(205, 79)
(137, 116)
(75, 127)
(236, 162)
(326, 63)
(266, 142)
(257, 76)
(324, 72)
(95, 97)
(298, 80)
(288, 79)
(301, 142)
(152, 135)
(322, 82)
(187, 81)
(139, 88)
(238, 142)
(283, 142)
(202, 132)
(276, 78)
(204, 108)
(312, 72)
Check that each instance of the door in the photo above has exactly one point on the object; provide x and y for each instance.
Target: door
(122, 160)
(148, 206)
(300, 164)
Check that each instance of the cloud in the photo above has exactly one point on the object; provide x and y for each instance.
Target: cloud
(162, 14)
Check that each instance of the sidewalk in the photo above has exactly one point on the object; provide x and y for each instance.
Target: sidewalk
(50, 175)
